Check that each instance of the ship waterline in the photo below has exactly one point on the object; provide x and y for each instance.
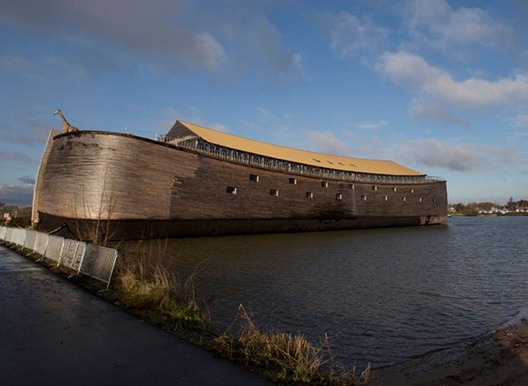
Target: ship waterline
(188, 185)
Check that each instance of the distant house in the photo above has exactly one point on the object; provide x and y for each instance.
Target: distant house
(522, 206)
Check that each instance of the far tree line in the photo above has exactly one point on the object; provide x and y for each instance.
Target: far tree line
(476, 208)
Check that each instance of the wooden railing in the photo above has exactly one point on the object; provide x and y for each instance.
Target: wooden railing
(263, 162)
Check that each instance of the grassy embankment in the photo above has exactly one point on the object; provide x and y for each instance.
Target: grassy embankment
(159, 296)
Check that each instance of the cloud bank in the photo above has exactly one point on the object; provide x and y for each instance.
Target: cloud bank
(160, 34)
(459, 157)
(16, 194)
(413, 71)
(430, 32)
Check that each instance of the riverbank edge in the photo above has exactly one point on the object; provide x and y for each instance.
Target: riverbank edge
(500, 357)
(497, 358)
(266, 364)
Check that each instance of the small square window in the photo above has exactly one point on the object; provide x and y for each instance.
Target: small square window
(339, 196)
(274, 192)
(374, 188)
(254, 177)
(434, 199)
(395, 189)
(404, 199)
(364, 197)
(309, 195)
(386, 198)
(351, 186)
(420, 199)
(412, 191)
(293, 181)
(324, 184)
(231, 190)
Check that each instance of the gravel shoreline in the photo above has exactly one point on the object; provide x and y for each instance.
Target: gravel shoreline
(499, 358)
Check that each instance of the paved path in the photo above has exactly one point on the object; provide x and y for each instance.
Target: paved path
(54, 333)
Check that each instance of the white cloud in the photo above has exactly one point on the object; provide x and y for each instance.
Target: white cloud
(27, 179)
(327, 143)
(28, 68)
(220, 127)
(520, 120)
(517, 135)
(16, 194)
(260, 46)
(434, 153)
(152, 30)
(170, 35)
(436, 111)
(264, 114)
(413, 71)
(437, 24)
(463, 157)
(351, 35)
(15, 156)
(368, 125)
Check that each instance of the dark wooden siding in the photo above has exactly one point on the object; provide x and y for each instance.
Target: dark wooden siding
(96, 175)
(91, 175)
(205, 195)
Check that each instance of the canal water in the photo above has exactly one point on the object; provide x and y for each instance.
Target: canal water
(381, 295)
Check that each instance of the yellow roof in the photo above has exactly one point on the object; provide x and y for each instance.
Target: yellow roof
(356, 165)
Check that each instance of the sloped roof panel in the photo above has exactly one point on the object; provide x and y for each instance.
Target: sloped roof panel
(356, 165)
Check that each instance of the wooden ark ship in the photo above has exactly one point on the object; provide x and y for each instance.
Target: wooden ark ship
(199, 182)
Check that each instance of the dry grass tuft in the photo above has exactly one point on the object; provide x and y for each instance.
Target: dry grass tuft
(158, 294)
(284, 358)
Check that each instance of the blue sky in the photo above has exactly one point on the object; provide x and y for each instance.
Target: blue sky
(439, 86)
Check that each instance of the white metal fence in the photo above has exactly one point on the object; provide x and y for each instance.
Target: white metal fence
(89, 259)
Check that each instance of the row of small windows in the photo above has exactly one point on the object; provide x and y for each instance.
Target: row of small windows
(386, 198)
(394, 189)
(339, 196)
(324, 184)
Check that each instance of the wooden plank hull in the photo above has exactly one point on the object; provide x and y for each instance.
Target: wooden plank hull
(148, 229)
(130, 187)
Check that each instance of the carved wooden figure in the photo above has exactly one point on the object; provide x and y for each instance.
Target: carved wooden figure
(66, 126)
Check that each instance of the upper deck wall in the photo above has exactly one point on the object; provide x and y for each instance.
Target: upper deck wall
(230, 155)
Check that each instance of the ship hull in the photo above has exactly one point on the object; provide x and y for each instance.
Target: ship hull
(149, 229)
(118, 186)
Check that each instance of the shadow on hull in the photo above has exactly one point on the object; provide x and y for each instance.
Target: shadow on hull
(117, 230)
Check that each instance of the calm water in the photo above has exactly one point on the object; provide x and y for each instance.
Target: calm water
(382, 295)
